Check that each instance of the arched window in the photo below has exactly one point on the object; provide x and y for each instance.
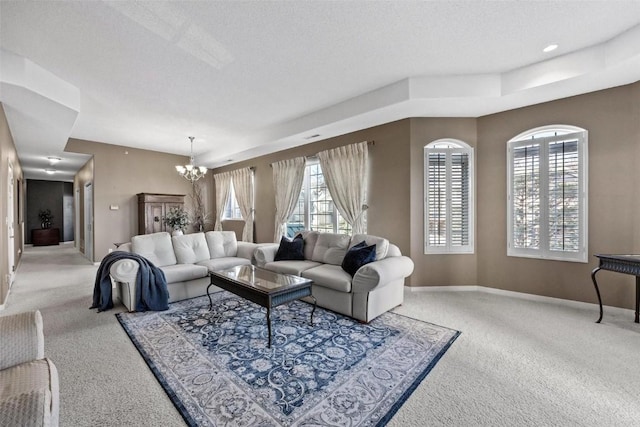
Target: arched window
(547, 194)
(449, 189)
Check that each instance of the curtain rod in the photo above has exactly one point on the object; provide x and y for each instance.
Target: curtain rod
(315, 156)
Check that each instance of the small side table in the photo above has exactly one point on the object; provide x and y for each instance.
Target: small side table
(626, 264)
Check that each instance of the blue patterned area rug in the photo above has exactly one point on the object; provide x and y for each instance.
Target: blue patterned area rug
(217, 369)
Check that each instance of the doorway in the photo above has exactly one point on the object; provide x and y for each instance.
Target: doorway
(88, 221)
(11, 249)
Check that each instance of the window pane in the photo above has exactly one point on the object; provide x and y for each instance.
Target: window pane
(316, 204)
(231, 208)
(295, 224)
(437, 197)
(564, 196)
(526, 196)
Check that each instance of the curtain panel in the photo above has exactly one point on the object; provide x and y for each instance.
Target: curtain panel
(345, 173)
(223, 188)
(243, 187)
(288, 176)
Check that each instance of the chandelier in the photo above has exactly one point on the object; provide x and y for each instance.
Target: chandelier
(189, 172)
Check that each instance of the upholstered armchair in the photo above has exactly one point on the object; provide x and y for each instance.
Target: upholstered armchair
(29, 390)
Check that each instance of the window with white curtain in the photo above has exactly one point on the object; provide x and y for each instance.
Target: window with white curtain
(449, 189)
(315, 209)
(547, 194)
(231, 208)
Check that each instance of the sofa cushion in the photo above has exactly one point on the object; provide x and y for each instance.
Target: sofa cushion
(183, 272)
(224, 263)
(29, 394)
(221, 243)
(358, 256)
(329, 276)
(290, 249)
(190, 248)
(330, 248)
(156, 247)
(382, 244)
(290, 267)
(25, 331)
(310, 240)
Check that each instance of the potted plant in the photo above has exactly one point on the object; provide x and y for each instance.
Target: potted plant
(46, 218)
(177, 219)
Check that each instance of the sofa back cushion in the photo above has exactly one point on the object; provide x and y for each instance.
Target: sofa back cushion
(382, 244)
(155, 247)
(310, 240)
(190, 248)
(221, 243)
(330, 248)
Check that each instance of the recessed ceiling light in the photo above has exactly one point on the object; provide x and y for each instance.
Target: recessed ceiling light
(550, 48)
(53, 160)
(50, 171)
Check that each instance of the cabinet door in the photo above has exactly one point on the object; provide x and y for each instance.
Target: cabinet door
(154, 220)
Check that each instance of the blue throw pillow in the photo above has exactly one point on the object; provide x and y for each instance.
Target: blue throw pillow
(358, 256)
(290, 249)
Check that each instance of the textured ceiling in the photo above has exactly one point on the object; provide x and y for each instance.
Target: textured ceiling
(250, 77)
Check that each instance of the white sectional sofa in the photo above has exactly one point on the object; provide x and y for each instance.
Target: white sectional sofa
(374, 289)
(29, 388)
(185, 260)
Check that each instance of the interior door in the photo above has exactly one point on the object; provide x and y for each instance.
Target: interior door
(88, 221)
(11, 249)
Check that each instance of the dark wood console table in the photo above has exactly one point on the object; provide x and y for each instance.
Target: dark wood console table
(45, 236)
(626, 264)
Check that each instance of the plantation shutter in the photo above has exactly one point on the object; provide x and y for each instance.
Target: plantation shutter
(564, 196)
(437, 199)
(459, 206)
(548, 196)
(525, 196)
(448, 199)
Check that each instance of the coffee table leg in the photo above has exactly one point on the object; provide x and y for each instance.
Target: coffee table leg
(595, 284)
(269, 324)
(313, 310)
(209, 295)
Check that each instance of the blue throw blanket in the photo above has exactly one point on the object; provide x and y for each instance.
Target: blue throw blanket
(151, 285)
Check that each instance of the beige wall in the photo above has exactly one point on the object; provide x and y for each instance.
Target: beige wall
(433, 269)
(389, 186)
(119, 173)
(611, 118)
(8, 154)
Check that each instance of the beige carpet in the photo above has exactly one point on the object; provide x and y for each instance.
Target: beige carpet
(516, 363)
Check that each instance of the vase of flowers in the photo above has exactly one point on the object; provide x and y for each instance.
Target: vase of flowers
(46, 218)
(177, 219)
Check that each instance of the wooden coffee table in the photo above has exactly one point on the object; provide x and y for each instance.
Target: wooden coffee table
(263, 287)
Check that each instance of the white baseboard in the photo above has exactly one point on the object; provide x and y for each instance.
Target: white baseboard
(521, 295)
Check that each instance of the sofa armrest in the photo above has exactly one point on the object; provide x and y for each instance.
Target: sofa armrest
(379, 273)
(124, 270)
(266, 253)
(125, 247)
(22, 338)
(246, 250)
